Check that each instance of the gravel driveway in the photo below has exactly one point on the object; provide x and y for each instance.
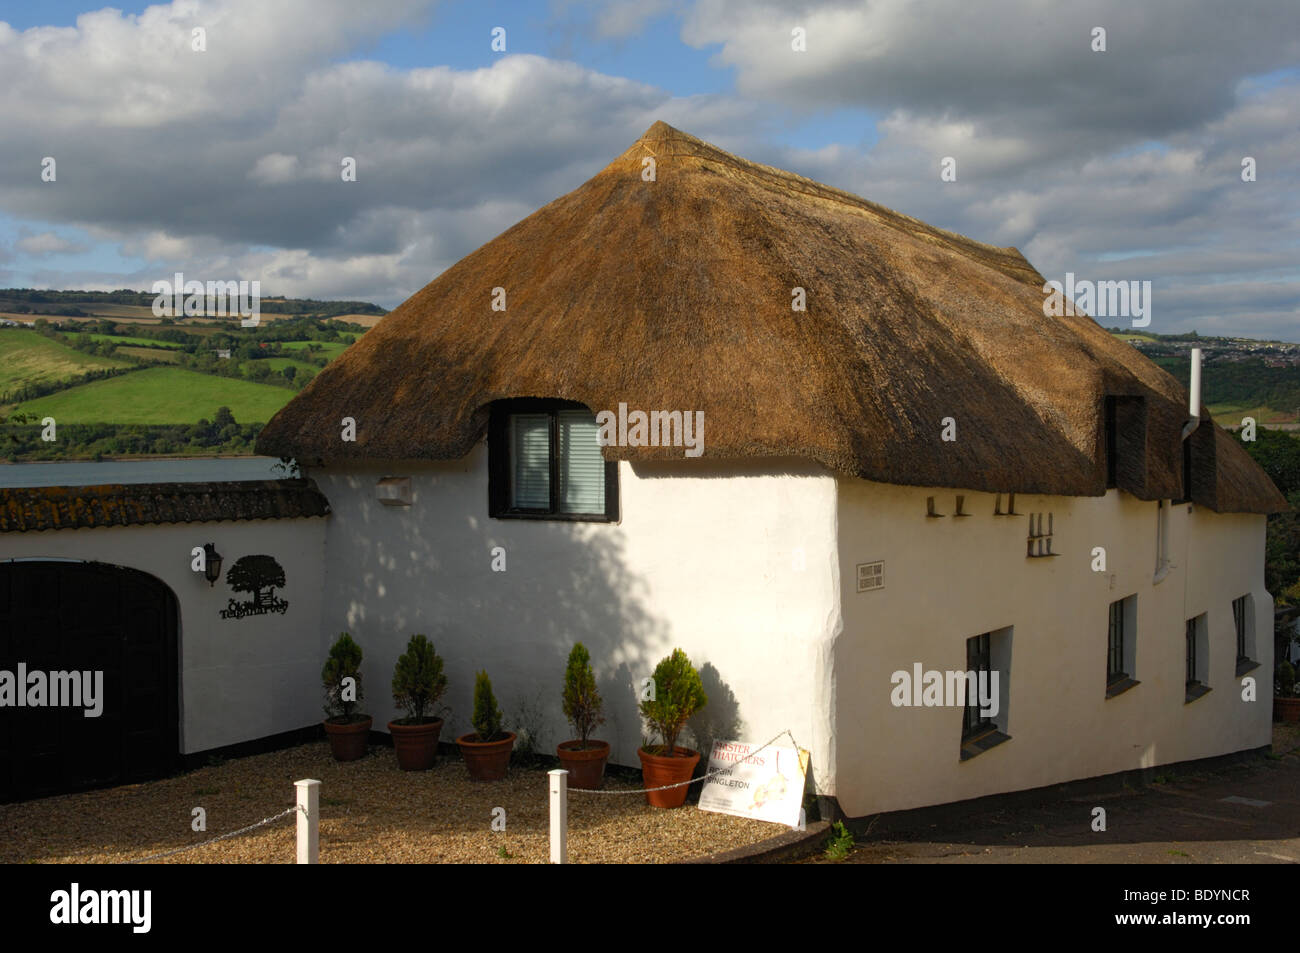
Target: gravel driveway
(371, 812)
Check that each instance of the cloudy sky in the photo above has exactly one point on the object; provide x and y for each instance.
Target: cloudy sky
(225, 163)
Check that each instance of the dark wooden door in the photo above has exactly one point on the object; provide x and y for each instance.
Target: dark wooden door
(79, 617)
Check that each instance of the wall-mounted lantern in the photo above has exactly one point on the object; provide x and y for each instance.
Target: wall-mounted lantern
(211, 563)
(394, 491)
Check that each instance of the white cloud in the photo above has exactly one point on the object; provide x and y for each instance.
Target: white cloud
(46, 243)
(274, 168)
(1074, 157)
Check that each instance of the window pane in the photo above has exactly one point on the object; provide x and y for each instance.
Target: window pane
(530, 470)
(1239, 619)
(582, 468)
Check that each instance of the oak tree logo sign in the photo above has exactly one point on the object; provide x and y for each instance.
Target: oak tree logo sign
(260, 575)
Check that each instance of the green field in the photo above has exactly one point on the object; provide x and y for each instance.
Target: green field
(1134, 336)
(1229, 415)
(161, 395)
(330, 349)
(123, 339)
(28, 358)
(152, 354)
(279, 363)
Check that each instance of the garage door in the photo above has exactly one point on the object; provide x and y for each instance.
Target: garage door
(77, 618)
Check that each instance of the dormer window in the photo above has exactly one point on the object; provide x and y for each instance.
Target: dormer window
(1124, 423)
(544, 462)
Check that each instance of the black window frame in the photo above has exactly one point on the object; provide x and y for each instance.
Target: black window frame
(1239, 623)
(499, 462)
(973, 723)
(1191, 679)
(1115, 644)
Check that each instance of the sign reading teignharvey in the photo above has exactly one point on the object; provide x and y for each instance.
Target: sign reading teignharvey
(766, 785)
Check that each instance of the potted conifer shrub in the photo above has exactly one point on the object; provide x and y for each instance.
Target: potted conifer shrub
(418, 683)
(1286, 703)
(347, 729)
(678, 694)
(584, 757)
(486, 749)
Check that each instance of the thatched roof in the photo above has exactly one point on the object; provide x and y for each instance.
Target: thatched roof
(31, 509)
(675, 294)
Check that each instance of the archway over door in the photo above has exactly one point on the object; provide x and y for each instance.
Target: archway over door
(60, 616)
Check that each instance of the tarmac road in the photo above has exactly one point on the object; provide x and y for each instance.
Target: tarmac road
(1247, 812)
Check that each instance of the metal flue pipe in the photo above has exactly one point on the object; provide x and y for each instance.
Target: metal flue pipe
(1194, 395)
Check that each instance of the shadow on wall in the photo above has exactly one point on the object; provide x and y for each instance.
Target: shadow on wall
(719, 720)
(394, 571)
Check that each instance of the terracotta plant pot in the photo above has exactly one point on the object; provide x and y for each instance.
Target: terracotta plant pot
(1286, 709)
(586, 767)
(416, 745)
(348, 739)
(486, 760)
(657, 770)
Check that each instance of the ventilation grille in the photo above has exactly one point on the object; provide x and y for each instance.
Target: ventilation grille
(871, 576)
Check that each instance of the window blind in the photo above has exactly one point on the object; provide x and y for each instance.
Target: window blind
(530, 475)
(582, 468)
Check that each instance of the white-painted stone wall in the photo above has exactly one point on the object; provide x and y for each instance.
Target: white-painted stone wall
(949, 579)
(750, 567)
(241, 679)
(704, 559)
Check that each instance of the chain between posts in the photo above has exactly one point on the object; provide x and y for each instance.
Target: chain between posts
(702, 777)
(212, 840)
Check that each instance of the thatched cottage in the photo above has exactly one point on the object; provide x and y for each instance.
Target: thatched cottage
(905, 467)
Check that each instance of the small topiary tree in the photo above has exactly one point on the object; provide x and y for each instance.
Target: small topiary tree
(344, 662)
(418, 681)
(1285, 680)
(678, 694)
(487, 716)
(583, 705)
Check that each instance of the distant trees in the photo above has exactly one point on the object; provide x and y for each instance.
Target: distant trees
(1278, 453)
(21, 440)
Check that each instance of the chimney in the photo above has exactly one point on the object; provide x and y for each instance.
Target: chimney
(1194, 395)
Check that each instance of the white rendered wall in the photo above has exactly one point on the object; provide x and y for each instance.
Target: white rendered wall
(949, 579)
(241, 679)
(704, 559)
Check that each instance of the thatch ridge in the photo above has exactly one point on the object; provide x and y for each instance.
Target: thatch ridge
(662, 139)
(676, 294)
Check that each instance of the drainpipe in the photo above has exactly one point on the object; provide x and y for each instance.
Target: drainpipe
(1194, 395)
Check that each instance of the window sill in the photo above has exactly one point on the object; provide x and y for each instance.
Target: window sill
(1246, 665)
(556, 517)
(1121, 686)
(977, 744)
(1194, 691)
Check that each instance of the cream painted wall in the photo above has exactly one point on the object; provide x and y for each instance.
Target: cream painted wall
(241, 679)
(703, 559)
(949, 579)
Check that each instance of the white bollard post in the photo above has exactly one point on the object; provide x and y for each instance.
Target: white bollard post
(559, 816)
(308, 821)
